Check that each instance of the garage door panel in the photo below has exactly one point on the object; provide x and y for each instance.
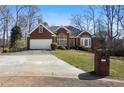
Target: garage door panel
(40, 43)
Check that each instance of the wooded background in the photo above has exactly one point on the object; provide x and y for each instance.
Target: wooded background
(105, 22)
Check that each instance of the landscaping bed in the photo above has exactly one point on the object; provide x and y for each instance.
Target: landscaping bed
(85, 61)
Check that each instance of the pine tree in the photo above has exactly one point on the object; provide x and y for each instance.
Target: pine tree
(16, 35)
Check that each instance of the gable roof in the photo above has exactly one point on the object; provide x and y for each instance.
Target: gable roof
(64, 28)
(74, 31)
(53, 28)
(86, 32)
(44, 27)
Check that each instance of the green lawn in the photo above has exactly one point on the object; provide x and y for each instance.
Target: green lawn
(85, 61)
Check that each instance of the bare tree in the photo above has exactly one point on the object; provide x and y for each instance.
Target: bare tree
(100, 25)
(5, 19)
(1, 30)
(19, 9)
(114, 17)
(82, 22)
(27, 17)
(93, 17)
(77, 21)
(121, 17)
(110, 13)
(22, 22)
(33, 16)
(87, 21)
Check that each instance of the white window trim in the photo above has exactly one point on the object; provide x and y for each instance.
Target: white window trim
(59, 39)
(64, 40)
(89, 42)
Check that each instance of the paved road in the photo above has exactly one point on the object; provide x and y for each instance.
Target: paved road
(35, 63)
(40, 81)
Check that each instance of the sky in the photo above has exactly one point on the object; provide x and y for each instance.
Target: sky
(60, 15)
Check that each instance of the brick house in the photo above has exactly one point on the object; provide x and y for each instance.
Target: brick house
(41, 37)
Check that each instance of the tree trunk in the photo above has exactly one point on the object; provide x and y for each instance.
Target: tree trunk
(94, 26)
(7, 37)
(4, 36)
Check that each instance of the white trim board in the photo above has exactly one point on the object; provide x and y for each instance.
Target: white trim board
(64, 28)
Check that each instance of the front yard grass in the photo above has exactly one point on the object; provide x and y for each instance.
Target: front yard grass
(85, 61)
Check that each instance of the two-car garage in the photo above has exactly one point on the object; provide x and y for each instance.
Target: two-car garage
(40, 43)
(40, 38)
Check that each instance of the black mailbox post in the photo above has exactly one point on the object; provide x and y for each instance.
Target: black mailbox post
(102, 62)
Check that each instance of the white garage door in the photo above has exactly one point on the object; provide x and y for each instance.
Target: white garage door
(40, 43)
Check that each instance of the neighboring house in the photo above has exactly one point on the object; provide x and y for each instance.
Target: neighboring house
(41, 37)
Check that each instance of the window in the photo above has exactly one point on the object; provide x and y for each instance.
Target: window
(86, 42)
(62, 39)
(81, 42)
(40, 29)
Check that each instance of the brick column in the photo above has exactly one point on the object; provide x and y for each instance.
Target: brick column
(102, 62)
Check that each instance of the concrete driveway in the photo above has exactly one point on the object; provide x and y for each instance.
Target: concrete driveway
(41, 68)
(35, 63)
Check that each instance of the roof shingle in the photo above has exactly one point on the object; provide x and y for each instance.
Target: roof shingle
(74, 31)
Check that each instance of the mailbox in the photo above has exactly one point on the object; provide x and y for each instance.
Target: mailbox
(102, 62)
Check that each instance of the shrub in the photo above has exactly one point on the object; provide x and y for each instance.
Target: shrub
(6, 50)
(61, 47)
(20, 44)
(117, 52)
(54, 46)
(117, 47)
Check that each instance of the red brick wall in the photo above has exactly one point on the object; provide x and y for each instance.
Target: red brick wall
(102, 68)
(93, 46)
(72, 42)
(78, 41)
(36, 35)
(28, 42)
(64, 31)
(44, 35)
(54, 39)
(93, 40)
